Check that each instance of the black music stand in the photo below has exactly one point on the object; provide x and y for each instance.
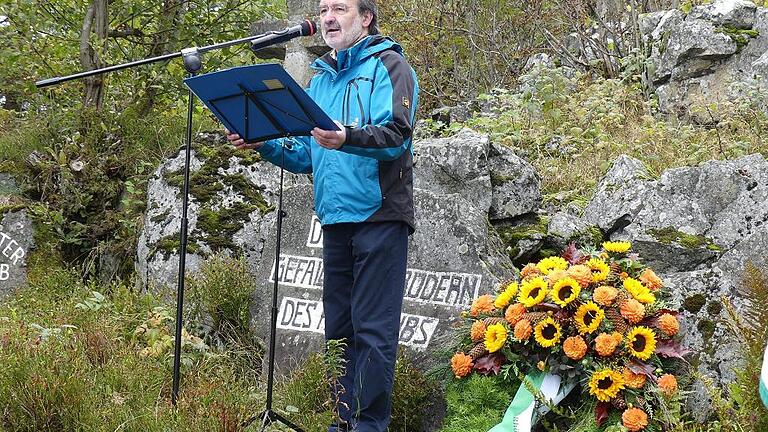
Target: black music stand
(259, 102)
(262, 102)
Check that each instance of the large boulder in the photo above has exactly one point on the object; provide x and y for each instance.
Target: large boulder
(230, 195)
(698, 227)
(454, 256)
(738, 14)
(516, 186)
(694, 49)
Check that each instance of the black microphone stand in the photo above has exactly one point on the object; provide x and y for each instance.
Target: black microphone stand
(193, 64)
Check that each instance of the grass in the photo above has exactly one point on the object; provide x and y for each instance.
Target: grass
(571, 129)
(98, 357)
(69, 364)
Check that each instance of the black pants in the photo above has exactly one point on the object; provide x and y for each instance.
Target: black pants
(362, 297)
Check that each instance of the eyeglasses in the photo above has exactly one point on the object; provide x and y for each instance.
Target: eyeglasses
(335, 9)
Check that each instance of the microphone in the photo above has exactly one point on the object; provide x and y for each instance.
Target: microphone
(306, 28)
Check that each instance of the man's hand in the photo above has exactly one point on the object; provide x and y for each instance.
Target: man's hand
(330, 139)
(239, 143)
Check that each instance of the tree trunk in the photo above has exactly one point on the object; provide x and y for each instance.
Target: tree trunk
(95, 21)
(171, 14)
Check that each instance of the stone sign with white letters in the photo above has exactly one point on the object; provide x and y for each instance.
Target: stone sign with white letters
(16, 239)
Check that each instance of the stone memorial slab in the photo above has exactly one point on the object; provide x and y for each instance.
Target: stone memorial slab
(16, 238)
(453, 258)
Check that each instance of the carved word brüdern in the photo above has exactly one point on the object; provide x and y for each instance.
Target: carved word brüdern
(10, 249)
(451, 289)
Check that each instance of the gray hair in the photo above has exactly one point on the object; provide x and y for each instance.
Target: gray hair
(369, 6)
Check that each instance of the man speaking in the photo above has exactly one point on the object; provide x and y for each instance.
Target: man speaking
(363, 191)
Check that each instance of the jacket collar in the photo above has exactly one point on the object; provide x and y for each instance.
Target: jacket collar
(355, 54)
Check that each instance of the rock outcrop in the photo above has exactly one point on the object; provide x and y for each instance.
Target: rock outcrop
(699, 228)
(715, 54)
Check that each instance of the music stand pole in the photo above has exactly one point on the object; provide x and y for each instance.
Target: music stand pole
(193, 64)
(269, 416)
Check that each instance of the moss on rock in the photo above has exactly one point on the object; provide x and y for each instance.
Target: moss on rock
(511, 235)
(738, 35)
(218, 223)
(714, 308)
(707, 328)
(669, 235)
(216, 228)
(498, 179)
(694, 303)
(590, 236)
(171, 244)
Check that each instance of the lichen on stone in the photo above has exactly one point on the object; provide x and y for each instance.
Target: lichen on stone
(714, 308)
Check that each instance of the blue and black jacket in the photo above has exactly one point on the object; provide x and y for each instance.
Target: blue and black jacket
(373, 91)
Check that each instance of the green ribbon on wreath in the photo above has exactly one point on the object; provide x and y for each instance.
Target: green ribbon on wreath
(521, 414)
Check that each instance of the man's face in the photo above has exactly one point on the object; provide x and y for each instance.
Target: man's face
(342, 24)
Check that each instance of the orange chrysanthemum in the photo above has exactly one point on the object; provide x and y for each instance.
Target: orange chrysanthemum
(634, 419)
(633, 380)
(605, 295)
(618, 336)
(668, 384)
(482, 304)
(514, 313)
(461, 364)
(575, 347)
(523, 330)
(530, 270)
(582, 273)
(478, 331)
(605, 344)
(555, 275)
(633, 311)
(669, 324)
(650, 280)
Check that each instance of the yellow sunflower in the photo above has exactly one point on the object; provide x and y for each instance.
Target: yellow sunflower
(533, 291)
(547, 332)
(511, 289)
(495, 337)
(638, 291)
(599, 269)
(588, 317)
(605, 384)
(565, 291)
(617, 246)
(641, 342)
(502, 300)
(551, 263)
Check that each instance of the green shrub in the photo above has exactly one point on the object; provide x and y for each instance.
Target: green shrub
(416, 399)
(476, 403)
(221, 291)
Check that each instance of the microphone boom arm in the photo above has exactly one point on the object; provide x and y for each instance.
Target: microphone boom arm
(306, 28)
